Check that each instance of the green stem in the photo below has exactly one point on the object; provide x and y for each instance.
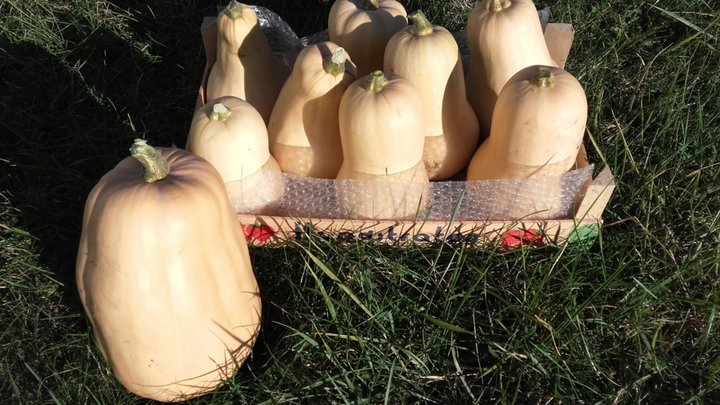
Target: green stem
(421, 26)
(335, 63)
(498, 5)
(369, 4)
(234, 9)
(155, 165)
(220, 112)
(544, 78)
(376, 81)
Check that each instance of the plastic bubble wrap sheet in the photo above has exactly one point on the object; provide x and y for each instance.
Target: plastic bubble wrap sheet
(534, 198)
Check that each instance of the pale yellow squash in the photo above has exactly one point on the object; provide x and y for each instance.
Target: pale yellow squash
(304, 131)
(164, 275)
(538, 127)
(382, 136)
(503, 36)
(245, 66)
(230, 133)
(363, 28)
(429, 57)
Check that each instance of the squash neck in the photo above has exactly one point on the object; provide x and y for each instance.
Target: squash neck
(220, 112)
(376, 81)
(420, 24)
(369, 4)
(498, 5)
(154, 164)
(544, 78)
(335, 64)
(251, 45)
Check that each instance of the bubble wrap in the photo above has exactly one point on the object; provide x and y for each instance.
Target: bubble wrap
(541, 197)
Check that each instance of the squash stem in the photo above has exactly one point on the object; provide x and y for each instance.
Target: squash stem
(369, 4)
(498, 5)
(376, 81)
(421, 26)
(220, 112)
(234, 9)
(155, 165)
(335, 63)
(544, 78)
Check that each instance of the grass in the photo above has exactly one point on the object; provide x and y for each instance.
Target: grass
(631, 318)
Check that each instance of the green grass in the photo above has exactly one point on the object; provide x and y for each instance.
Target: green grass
(630, 319)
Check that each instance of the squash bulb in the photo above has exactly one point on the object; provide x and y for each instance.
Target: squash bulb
(230, 134)
(363, 28)
(383, 175)
(170, 294)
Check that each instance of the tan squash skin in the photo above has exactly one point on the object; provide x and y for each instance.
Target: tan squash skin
(172, 299)
(363, 28)
(245, 66)
(304, 131)
(382, 139)
(237, 145)
(429, 57)
(504, 36)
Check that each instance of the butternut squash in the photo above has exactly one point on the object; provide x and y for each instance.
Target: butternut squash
(171, 295)
(304, 131)
(363, 28)
(538, 127)
(245, 66)
(429, 57)
(382, 136)
(504, 36)
(230, 134)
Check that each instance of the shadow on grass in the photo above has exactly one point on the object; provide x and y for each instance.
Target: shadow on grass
(67, 119)
(59, 140)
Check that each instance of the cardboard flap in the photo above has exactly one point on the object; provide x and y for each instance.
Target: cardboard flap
(559, 38)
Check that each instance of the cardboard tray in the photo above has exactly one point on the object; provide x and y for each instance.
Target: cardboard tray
(583, 225)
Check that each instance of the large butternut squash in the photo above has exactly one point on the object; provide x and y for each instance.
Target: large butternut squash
(504, 36)
(164, 275)
(304, 131)
(429, 57)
